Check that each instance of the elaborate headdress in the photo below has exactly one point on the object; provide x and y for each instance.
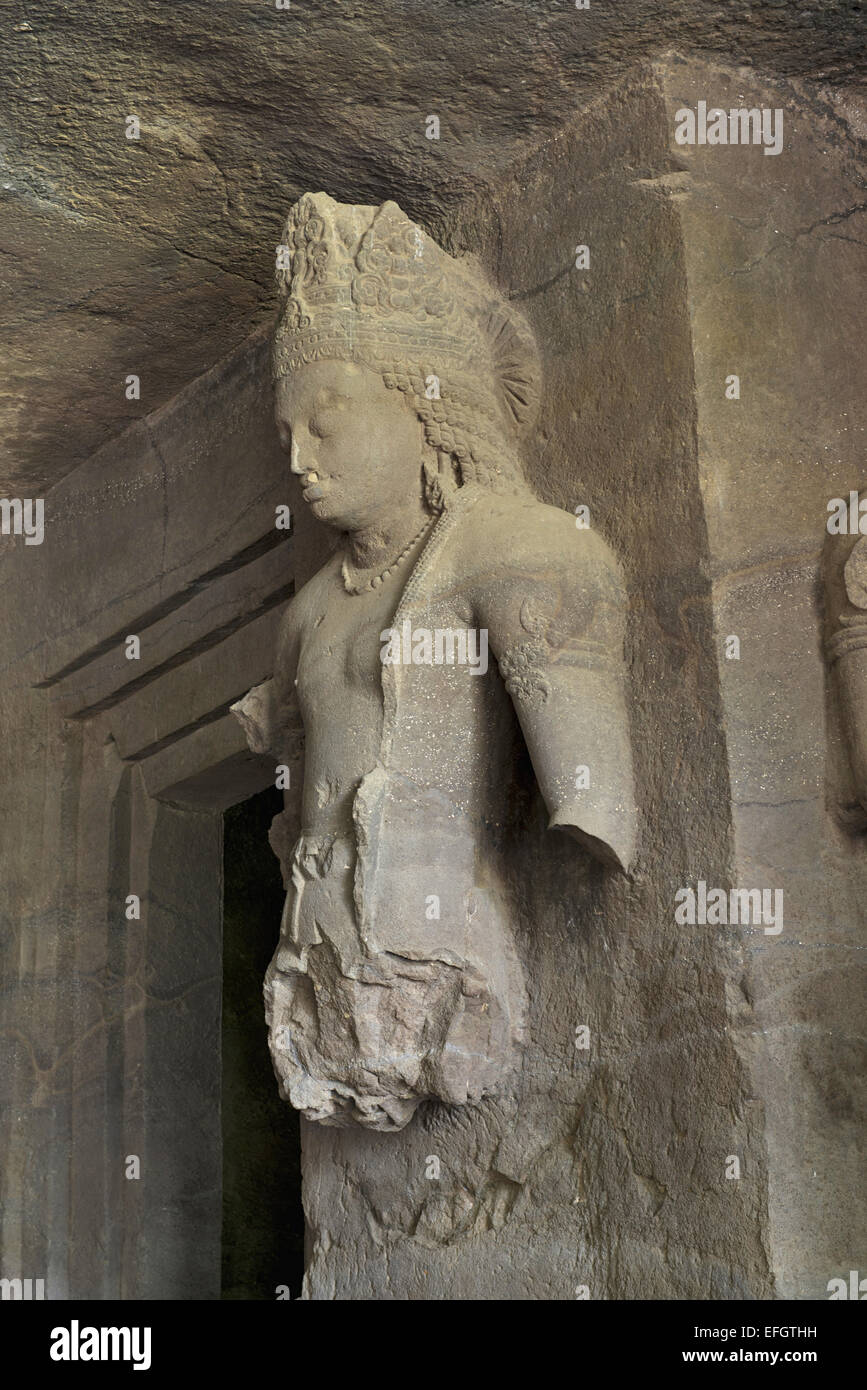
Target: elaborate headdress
(367, 285)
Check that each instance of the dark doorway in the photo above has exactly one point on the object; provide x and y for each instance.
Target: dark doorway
(263, 1221)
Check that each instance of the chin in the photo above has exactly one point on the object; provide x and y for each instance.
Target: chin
(326, 509)
(321, 509)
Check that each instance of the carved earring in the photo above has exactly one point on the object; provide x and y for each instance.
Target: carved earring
(440, 479)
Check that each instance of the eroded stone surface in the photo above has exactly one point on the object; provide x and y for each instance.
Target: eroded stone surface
(148, 257)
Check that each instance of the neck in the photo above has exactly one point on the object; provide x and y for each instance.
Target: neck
(373, 545)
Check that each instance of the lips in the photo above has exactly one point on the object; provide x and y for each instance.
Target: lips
(312, 490)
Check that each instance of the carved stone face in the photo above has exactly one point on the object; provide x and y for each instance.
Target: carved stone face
(355, 445)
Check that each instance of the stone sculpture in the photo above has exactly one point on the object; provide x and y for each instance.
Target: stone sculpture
(458, 617)
(846, 648)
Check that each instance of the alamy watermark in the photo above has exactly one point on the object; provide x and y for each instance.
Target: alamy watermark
(77, 1343)
(720, 907)
(441, 646)
(740, 125)
(847, 518)
(23, 517)
(855, 1288)
(22, 1290)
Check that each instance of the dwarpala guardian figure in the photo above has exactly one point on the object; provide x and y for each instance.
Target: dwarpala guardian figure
(404, 384)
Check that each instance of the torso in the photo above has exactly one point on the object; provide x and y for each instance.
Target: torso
(339, 687)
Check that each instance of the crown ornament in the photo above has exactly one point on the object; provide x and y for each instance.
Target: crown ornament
(368, 285)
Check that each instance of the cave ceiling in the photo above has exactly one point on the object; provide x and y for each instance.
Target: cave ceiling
(154, 256)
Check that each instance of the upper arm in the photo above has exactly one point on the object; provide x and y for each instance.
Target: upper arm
(269, 713)
(555, 614)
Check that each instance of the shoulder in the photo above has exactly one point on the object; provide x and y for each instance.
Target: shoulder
(507, 535)
(301, 612)
(308, 600)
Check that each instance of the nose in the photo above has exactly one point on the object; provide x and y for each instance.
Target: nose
(295, 464)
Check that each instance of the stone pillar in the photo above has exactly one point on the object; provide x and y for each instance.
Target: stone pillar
(773, 249)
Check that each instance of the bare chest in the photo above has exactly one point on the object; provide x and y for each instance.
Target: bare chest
(340, 657)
